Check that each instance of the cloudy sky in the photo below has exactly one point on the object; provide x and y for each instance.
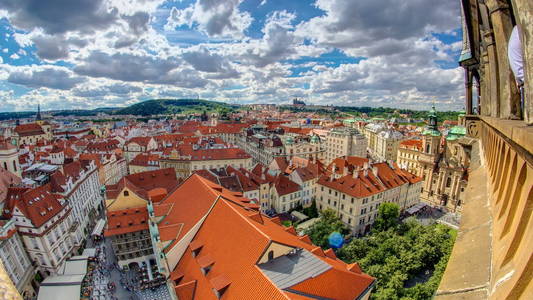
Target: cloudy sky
(97, 53)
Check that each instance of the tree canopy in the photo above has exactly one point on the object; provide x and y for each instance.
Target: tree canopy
(388, 214)
(407, 258)
(327, 224)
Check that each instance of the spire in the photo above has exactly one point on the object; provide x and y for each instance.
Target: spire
(38, 116)
(432, 128)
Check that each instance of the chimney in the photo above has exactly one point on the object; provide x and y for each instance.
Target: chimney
(365, 166)
(355, 174)
(345, 171)
(366, 173)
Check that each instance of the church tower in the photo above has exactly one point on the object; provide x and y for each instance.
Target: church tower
(38, 117)
(429, 156)
(432, 135)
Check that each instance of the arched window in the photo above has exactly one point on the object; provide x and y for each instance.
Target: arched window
(448, 182)
(270, 255)
(5, 165)
(427, 148)
(15, 165)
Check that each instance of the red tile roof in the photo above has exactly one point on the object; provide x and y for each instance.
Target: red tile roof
(340, 163)
(141, 183)
(360, 187)
(234, 241)
(39, 204)
(146, 160)
(29, 129)
(285, 186)
(209, 154)
(126, 221)
(186, 205)
(140, 140)
(7, 179)
(411, 144)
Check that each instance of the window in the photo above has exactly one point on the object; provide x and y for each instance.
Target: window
(270, 255)
(126, 193)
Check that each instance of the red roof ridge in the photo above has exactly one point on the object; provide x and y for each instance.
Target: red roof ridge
(354, 268)
(256, 217)
(291, 230)
(205, 261)
(186, 291)
(318, 251)
(276, 220)
(330, 253)
(195, 245)
(220, 282)
(306, 239)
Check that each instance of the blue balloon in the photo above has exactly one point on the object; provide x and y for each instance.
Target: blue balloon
(335, 240)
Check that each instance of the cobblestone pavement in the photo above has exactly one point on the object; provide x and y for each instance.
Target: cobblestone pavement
(432, 215)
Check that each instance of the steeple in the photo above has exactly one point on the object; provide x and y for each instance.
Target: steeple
(432, 128)
(38, 116)
(432, 119)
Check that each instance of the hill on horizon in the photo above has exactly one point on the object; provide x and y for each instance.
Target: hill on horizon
(172, 106)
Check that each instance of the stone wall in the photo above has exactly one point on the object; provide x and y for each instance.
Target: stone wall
(492, 257)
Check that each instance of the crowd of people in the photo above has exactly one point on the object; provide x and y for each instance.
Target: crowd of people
(97, 284)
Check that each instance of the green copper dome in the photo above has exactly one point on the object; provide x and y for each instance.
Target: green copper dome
(315, 139)
(433, 112)
(432, 132)
(457, 130)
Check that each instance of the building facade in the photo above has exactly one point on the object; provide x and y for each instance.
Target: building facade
(78, 184)
(15, 259)
(408, 153)
(387, 143)
(356, 193)
(185, 160)
(9, 158)
(344, 142)
(46, 225)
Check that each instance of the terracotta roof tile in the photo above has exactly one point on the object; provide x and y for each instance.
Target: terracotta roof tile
(232, 244)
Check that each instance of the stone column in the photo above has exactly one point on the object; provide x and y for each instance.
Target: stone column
(468, 88)
(502, 26)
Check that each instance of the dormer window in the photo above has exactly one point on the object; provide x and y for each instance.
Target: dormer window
(126, 193)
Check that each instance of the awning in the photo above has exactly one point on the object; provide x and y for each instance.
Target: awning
(90, 252)
(68, 286)
(415, 208)
(99, 227)
(75, 265)
(298, 215)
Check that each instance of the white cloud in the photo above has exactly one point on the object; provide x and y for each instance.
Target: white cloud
(216, 18)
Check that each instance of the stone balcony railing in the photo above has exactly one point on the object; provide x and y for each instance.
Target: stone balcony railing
(493, 255)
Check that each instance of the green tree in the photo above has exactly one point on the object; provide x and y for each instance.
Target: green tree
(388, 215)
(311, 211)
(327, 224)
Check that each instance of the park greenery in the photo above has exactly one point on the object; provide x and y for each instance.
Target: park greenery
(406, 258)
(175, 106)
